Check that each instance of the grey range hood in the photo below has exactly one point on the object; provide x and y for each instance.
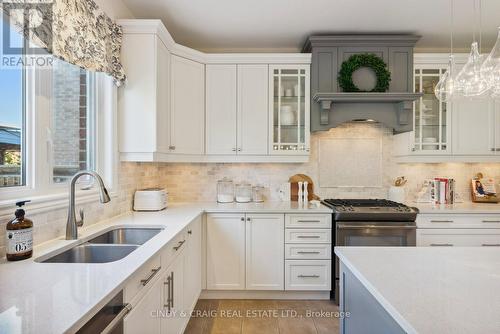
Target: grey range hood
(331, 107)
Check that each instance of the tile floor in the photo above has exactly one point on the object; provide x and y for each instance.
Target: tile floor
(264, 317)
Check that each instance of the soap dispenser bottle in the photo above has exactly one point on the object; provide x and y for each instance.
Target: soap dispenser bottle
(19, 236)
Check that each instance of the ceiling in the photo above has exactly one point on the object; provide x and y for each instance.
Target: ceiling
(283, 25)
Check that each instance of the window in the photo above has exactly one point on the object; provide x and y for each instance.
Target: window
(11, 118)
(54, 121)
(73, 121)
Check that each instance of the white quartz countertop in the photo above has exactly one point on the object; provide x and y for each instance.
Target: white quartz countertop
(430, 289)
(57, 297)
(458, 208)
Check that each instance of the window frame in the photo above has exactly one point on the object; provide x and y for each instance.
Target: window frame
(39, 186)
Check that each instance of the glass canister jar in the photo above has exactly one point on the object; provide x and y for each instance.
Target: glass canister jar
(225, 191)
(258, 194)
(243, 193)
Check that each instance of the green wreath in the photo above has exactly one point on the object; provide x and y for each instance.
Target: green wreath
(364, 60)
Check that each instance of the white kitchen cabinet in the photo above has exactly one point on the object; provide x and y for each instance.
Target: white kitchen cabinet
(221, 109)
(252, 127)
(458, 237)
(187, 106)
(236, 103)
(140, 319)
(175, 321)
(143, 101)
(307, 275)
(473, 127)
(289, 109)
(265, 251)
(225, 251)
(192, 265)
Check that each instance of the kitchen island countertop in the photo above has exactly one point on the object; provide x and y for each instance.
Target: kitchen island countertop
(431, 289)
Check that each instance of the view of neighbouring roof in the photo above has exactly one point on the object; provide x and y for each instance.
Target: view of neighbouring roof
(10, 135)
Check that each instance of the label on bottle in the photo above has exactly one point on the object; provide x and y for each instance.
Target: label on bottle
(19, 241)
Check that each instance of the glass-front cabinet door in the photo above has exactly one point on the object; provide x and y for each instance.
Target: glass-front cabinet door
(431, 117)
(289, 109)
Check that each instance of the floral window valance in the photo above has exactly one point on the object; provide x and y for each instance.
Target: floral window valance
(76, 31)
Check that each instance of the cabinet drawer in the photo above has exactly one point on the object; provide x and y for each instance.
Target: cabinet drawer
(308, 236)
(308, 251)
(173, 248)
(459, 221)
(308, 275)
(308, 220)
(458, 237)
(143, 277)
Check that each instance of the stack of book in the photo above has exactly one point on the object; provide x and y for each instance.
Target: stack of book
(443, 190)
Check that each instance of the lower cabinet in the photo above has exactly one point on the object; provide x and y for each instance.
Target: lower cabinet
(458, 237)
(265, 251)
(167, 295)
(226, 251)
(142, 318)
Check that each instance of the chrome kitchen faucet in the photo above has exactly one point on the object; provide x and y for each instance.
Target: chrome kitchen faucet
(73, 224)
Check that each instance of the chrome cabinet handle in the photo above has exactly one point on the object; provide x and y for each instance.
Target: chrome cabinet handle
(308, 276)
(442, 221)
(119, 317)
(171, 147)
(176, 248)
(441, 245)
(172, 289)
(190, 232)
(387, 227)
(490, 245)
(498, 149)
(492, 149)
(304, 252)
(491, 221)
(239, 149)
(308, 221)
(248, 219)
(242, 219)
(153, 273)
(234, 149)
(308, 236)
(166, 304)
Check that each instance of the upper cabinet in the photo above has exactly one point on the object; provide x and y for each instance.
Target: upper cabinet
(236, 105)
(463, 130)
(187, 126)
(182, 105)
(432, 119)
(289, 109)
(143, 102)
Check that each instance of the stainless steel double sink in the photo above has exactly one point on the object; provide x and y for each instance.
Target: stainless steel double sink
(109, 246)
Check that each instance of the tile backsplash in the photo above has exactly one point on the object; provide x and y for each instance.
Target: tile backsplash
(197, 182)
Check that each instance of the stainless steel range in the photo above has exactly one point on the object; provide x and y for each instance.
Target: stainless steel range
(370, 222)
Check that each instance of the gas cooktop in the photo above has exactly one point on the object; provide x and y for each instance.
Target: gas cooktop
(370, 210)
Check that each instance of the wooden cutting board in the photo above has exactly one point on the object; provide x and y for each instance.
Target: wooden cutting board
(294, 187)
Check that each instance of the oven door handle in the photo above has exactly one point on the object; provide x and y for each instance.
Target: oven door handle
(387, 227)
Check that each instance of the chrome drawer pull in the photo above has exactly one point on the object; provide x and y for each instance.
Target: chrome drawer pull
(308, 221)
(308, 236)
(304, 252)
(490, 245)
(491, 221)
(441, 221)
(119, 317)
(176, 248)
(441, 245)
(153, 273)
(308, 276)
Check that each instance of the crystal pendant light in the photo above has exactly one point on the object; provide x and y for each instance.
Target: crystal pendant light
(469, 80)
(445, 87)
(490, 70)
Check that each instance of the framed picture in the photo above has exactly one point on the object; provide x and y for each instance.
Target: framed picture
(484, 190)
